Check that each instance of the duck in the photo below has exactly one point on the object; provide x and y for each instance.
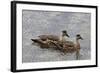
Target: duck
(70, 46)
(55, 37)
(47, 41)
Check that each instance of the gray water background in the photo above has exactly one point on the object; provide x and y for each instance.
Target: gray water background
(36, 23)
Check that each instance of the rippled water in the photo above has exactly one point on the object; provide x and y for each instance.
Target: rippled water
(45, 22)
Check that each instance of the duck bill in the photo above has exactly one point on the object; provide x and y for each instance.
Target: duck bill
(67, 35)
(81, 38)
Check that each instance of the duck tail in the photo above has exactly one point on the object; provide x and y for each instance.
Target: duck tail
(37, 41)
(34, 40)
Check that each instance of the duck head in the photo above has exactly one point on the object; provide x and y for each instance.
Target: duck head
(78, 36)
(64, 33)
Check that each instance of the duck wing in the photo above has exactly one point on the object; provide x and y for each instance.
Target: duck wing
(69, 43)
(69, 47)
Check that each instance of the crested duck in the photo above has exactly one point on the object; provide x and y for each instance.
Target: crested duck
(47, 41)
(55, 37)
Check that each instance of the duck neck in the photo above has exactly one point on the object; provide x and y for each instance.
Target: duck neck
(77, 40)
(63, 37)
(77, 43)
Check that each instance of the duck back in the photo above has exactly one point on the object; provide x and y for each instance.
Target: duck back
(50, 37)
